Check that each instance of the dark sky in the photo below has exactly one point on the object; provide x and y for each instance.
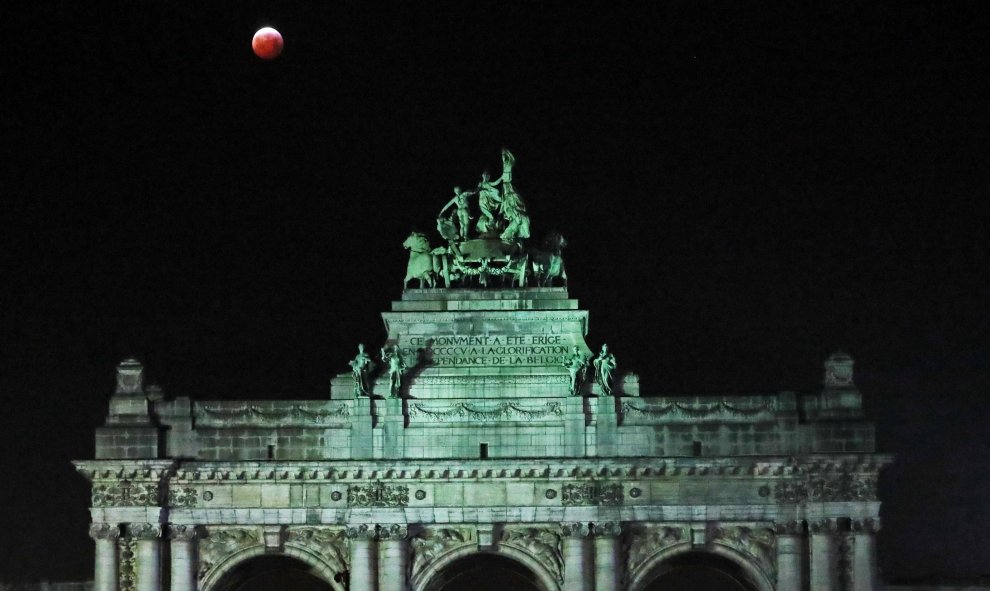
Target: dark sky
(743, 192)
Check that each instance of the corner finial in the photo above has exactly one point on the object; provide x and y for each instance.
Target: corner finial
(130, 377)
(839, 370)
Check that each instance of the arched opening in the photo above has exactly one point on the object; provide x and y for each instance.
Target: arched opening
(268, 572)
(700, 570)
(484, 572)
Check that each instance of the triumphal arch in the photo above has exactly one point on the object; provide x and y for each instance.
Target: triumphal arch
(485, 433)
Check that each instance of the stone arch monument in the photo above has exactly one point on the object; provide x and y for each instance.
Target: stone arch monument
(485, 425)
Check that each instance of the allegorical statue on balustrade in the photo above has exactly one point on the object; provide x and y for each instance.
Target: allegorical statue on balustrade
(604, 368)
(361, 368)
(392, 359)
(577, 365)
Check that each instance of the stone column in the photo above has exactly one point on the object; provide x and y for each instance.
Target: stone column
(608, 566)
(823, 571)
(183, 554)
(865, 554)
(789, 555)
(105, 567)
(577, 557)
(393, 557)
(148, 557)
(362, 573)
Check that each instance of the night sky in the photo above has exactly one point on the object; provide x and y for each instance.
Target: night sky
(742, 192)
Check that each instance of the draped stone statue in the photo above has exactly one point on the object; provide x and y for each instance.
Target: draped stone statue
(361, 367)
(396, 367)
(604, 368)
(577, 366)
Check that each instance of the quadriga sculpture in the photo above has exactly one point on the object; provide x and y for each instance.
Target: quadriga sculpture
(548, 263)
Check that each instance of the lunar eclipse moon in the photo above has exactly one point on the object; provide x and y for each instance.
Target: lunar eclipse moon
(267, 43)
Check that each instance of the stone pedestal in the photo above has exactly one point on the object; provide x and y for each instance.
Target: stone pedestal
(363, 571)
(823, 572)
(148, 556)
(105, 566)
(577, 557)
(789, 556)
(183, 557)
(608, 566)
(393, 558)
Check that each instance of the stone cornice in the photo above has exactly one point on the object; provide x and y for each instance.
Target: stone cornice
(440, 470)
(134, 470)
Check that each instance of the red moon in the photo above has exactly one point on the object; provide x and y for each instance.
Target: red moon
(267, 43)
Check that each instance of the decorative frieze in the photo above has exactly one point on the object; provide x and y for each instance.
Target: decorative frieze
(483, 413)
(827, 488)
(145, 531)
(649, 540)
(260, 416)
(182, 497)
(222, 542)
(788, 528)
(126, 494)
(542, 543)
(606, 529)
(720, 409)
(870, 525)
(182, 532)
(575, 530)
(506, 380)
(592, 493)
(378, 494)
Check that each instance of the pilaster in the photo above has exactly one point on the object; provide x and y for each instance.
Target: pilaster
(148, 554)
(393, 557)
(363, 571)
(790, 550)
(105, 565)
(577, 556)
(865, 554)
(823, 572)
(182, 543)
(608, 566)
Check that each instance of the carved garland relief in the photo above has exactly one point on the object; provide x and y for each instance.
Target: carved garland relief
(222, 542)
(543, 544)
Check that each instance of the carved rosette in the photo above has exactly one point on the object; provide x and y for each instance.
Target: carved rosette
(104, 531)
(542, 543)
(220, 543)
(650, 540)
(591, 493)
(378, 494)
(126, 494)
(329, 542)
(433, 543)
(759, 543)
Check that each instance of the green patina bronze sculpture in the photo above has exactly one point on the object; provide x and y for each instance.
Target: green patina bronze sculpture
(604, 367)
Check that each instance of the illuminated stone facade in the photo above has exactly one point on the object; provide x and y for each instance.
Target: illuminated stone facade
(483, 441)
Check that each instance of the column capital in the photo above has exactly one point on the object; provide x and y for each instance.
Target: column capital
(868, 525)
(575, 530)
(823, 526)
(392, 531)
(182, 532)
(104, 531)
(145, 531)
(360, 531)
(788, 528)
(607, 529)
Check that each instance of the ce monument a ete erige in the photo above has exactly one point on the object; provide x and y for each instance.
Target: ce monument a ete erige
(485, 431)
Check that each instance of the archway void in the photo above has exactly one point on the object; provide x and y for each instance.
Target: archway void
(270, 573)
(484, 572)
(699, 570)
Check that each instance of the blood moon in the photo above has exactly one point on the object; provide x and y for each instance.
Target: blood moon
(267, 43)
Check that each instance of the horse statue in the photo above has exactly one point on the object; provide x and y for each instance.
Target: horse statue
(422, 264)
(547, 262)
